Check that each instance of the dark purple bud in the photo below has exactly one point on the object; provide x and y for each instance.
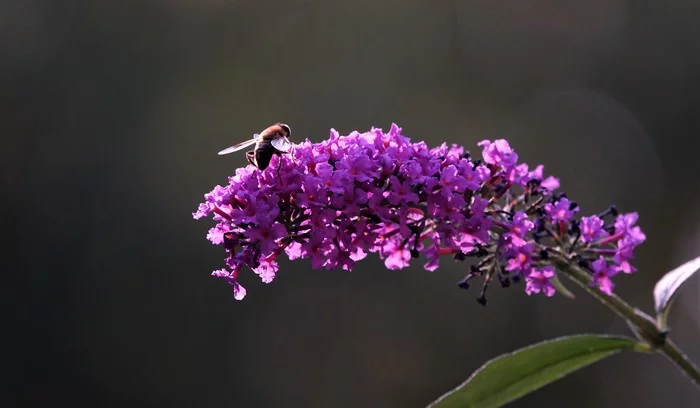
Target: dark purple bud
(230, 241)
(500, 187)
(505, 282)
(574, 227)
(556, 197)
(464, 283)
(373, 217)
(415, 229)
(481, 251)
(533, 183)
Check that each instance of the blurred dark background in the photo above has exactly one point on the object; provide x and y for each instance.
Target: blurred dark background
(112, 114)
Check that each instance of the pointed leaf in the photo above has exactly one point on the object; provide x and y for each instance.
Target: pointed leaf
(667, 287)
(511, 376)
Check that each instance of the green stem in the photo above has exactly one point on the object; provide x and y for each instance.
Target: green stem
(673, 353)
(643, 325)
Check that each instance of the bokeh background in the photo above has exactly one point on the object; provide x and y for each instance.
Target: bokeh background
(112, 114)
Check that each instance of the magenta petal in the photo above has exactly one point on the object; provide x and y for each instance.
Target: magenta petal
(238, 291)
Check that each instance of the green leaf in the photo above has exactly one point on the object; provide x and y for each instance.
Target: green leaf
(667, 287)
(511, 376)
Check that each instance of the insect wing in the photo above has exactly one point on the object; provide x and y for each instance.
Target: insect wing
(282, 144)
(240, 146)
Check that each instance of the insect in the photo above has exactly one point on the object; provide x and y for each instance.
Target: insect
(271, 141)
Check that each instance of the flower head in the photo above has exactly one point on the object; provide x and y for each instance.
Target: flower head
(591, 229)
(602, 274)
(561, 210)
(499, 153)
(519, 229)
(540, 280)
(336, 201)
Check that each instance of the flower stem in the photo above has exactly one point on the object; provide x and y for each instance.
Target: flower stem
(673, 353)
(642, 324)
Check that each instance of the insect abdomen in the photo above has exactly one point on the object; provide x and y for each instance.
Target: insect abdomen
(263, 153)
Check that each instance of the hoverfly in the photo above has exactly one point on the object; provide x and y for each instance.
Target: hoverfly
(271, 141)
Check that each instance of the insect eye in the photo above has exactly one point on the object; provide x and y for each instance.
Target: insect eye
(286, 129)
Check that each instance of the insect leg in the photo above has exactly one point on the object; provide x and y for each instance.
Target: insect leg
(250, 156)
(279, 164)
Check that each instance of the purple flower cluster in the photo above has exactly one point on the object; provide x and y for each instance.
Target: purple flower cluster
(336, 201)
